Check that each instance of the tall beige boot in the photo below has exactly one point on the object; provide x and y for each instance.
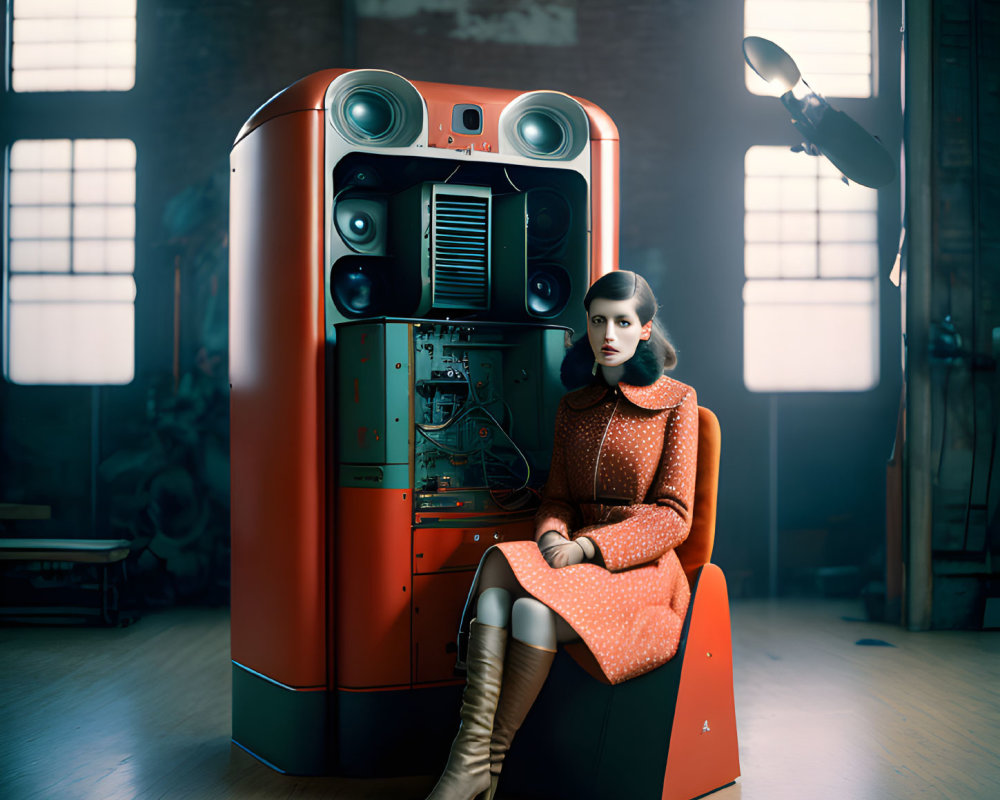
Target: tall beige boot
(525, 670)
(467, 772)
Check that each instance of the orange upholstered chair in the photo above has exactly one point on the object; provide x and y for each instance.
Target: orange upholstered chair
(696, 551)
(667, 735)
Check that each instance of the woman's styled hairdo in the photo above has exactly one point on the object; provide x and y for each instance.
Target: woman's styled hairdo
(623, 284)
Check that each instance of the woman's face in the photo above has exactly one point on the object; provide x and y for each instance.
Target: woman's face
(614, 330)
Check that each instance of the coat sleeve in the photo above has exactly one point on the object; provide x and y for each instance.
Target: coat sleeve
(557, 511)
(643, 532)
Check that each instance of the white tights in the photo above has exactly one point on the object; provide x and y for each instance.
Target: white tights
(503, 602)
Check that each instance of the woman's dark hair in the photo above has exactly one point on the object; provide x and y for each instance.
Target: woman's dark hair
(623, 284)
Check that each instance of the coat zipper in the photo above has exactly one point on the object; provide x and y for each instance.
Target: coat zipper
(597, 461)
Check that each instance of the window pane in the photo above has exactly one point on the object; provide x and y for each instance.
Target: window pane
(798, 261)
(39, 222)
(762, 194)
(762, 260)
(59, 343)
(72, 288)
(835, 195)
(103, 255)
(41, 154)
(116, 187)
(808, 293)
(36, 255)
(798, 227)
(101, 222)
(798, 194)
(848, 260)
(858, 227)
(813, 347)
(35, 187)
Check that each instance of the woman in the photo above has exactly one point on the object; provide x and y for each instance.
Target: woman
(602, 568)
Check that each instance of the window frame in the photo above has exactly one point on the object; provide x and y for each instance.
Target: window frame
(9, 56)
(79, 115)
(755, 284)
(69, 276)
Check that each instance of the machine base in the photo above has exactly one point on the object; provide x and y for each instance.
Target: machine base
(286, 728)
(396, 732)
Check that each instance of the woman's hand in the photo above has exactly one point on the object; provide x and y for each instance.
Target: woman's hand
(558, 551)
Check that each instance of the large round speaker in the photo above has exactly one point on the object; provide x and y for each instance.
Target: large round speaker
(547, 289)
(375, 108)
(549, 219)
(545, 125)
(361, 221)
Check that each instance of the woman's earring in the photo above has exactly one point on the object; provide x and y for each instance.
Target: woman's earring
(594, 370)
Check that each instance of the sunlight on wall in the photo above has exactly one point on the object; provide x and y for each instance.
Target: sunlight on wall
(830, 41)
(71, 253)
(67, 45)
(811, 262)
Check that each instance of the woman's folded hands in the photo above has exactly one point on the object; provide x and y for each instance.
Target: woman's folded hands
(558, 551)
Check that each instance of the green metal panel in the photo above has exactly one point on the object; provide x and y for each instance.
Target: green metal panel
(510, 253)
(409, 240)
(373, 406)
(398, 385)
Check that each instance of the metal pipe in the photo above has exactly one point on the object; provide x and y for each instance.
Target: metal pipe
(918, 139)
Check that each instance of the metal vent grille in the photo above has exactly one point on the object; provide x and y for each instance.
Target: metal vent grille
(461, 251)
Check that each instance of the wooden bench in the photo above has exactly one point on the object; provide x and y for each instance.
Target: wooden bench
(107, 554)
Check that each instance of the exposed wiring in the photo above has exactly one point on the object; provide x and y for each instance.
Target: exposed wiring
(524, 492)
(440, 426)
(473, 405)
(481, 407)
(445, 448)
(507, 176)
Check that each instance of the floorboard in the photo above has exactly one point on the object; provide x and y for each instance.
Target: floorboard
(143, 712)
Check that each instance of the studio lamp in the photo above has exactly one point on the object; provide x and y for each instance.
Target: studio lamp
(858, 155)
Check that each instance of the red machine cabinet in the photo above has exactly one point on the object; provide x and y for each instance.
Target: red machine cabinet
(353, 542)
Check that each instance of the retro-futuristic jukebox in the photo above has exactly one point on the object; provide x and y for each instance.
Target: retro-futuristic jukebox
(406, 259)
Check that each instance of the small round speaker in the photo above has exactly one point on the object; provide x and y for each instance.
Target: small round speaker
(375, 108)
(547, 289)
(360, 219)
(357, 286)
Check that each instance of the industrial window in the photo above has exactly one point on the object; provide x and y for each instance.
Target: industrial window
(811, 263)
(73, 45)
(830, 41)
(69, 315)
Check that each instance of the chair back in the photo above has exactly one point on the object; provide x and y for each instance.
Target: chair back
(696, 550)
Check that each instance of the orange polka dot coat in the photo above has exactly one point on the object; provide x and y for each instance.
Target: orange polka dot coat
(623, 474)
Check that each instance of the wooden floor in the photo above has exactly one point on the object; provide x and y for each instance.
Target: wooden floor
(143, 712)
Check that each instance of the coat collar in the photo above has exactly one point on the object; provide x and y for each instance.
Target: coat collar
(643, 369)
(643, 384)
(664, 393)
